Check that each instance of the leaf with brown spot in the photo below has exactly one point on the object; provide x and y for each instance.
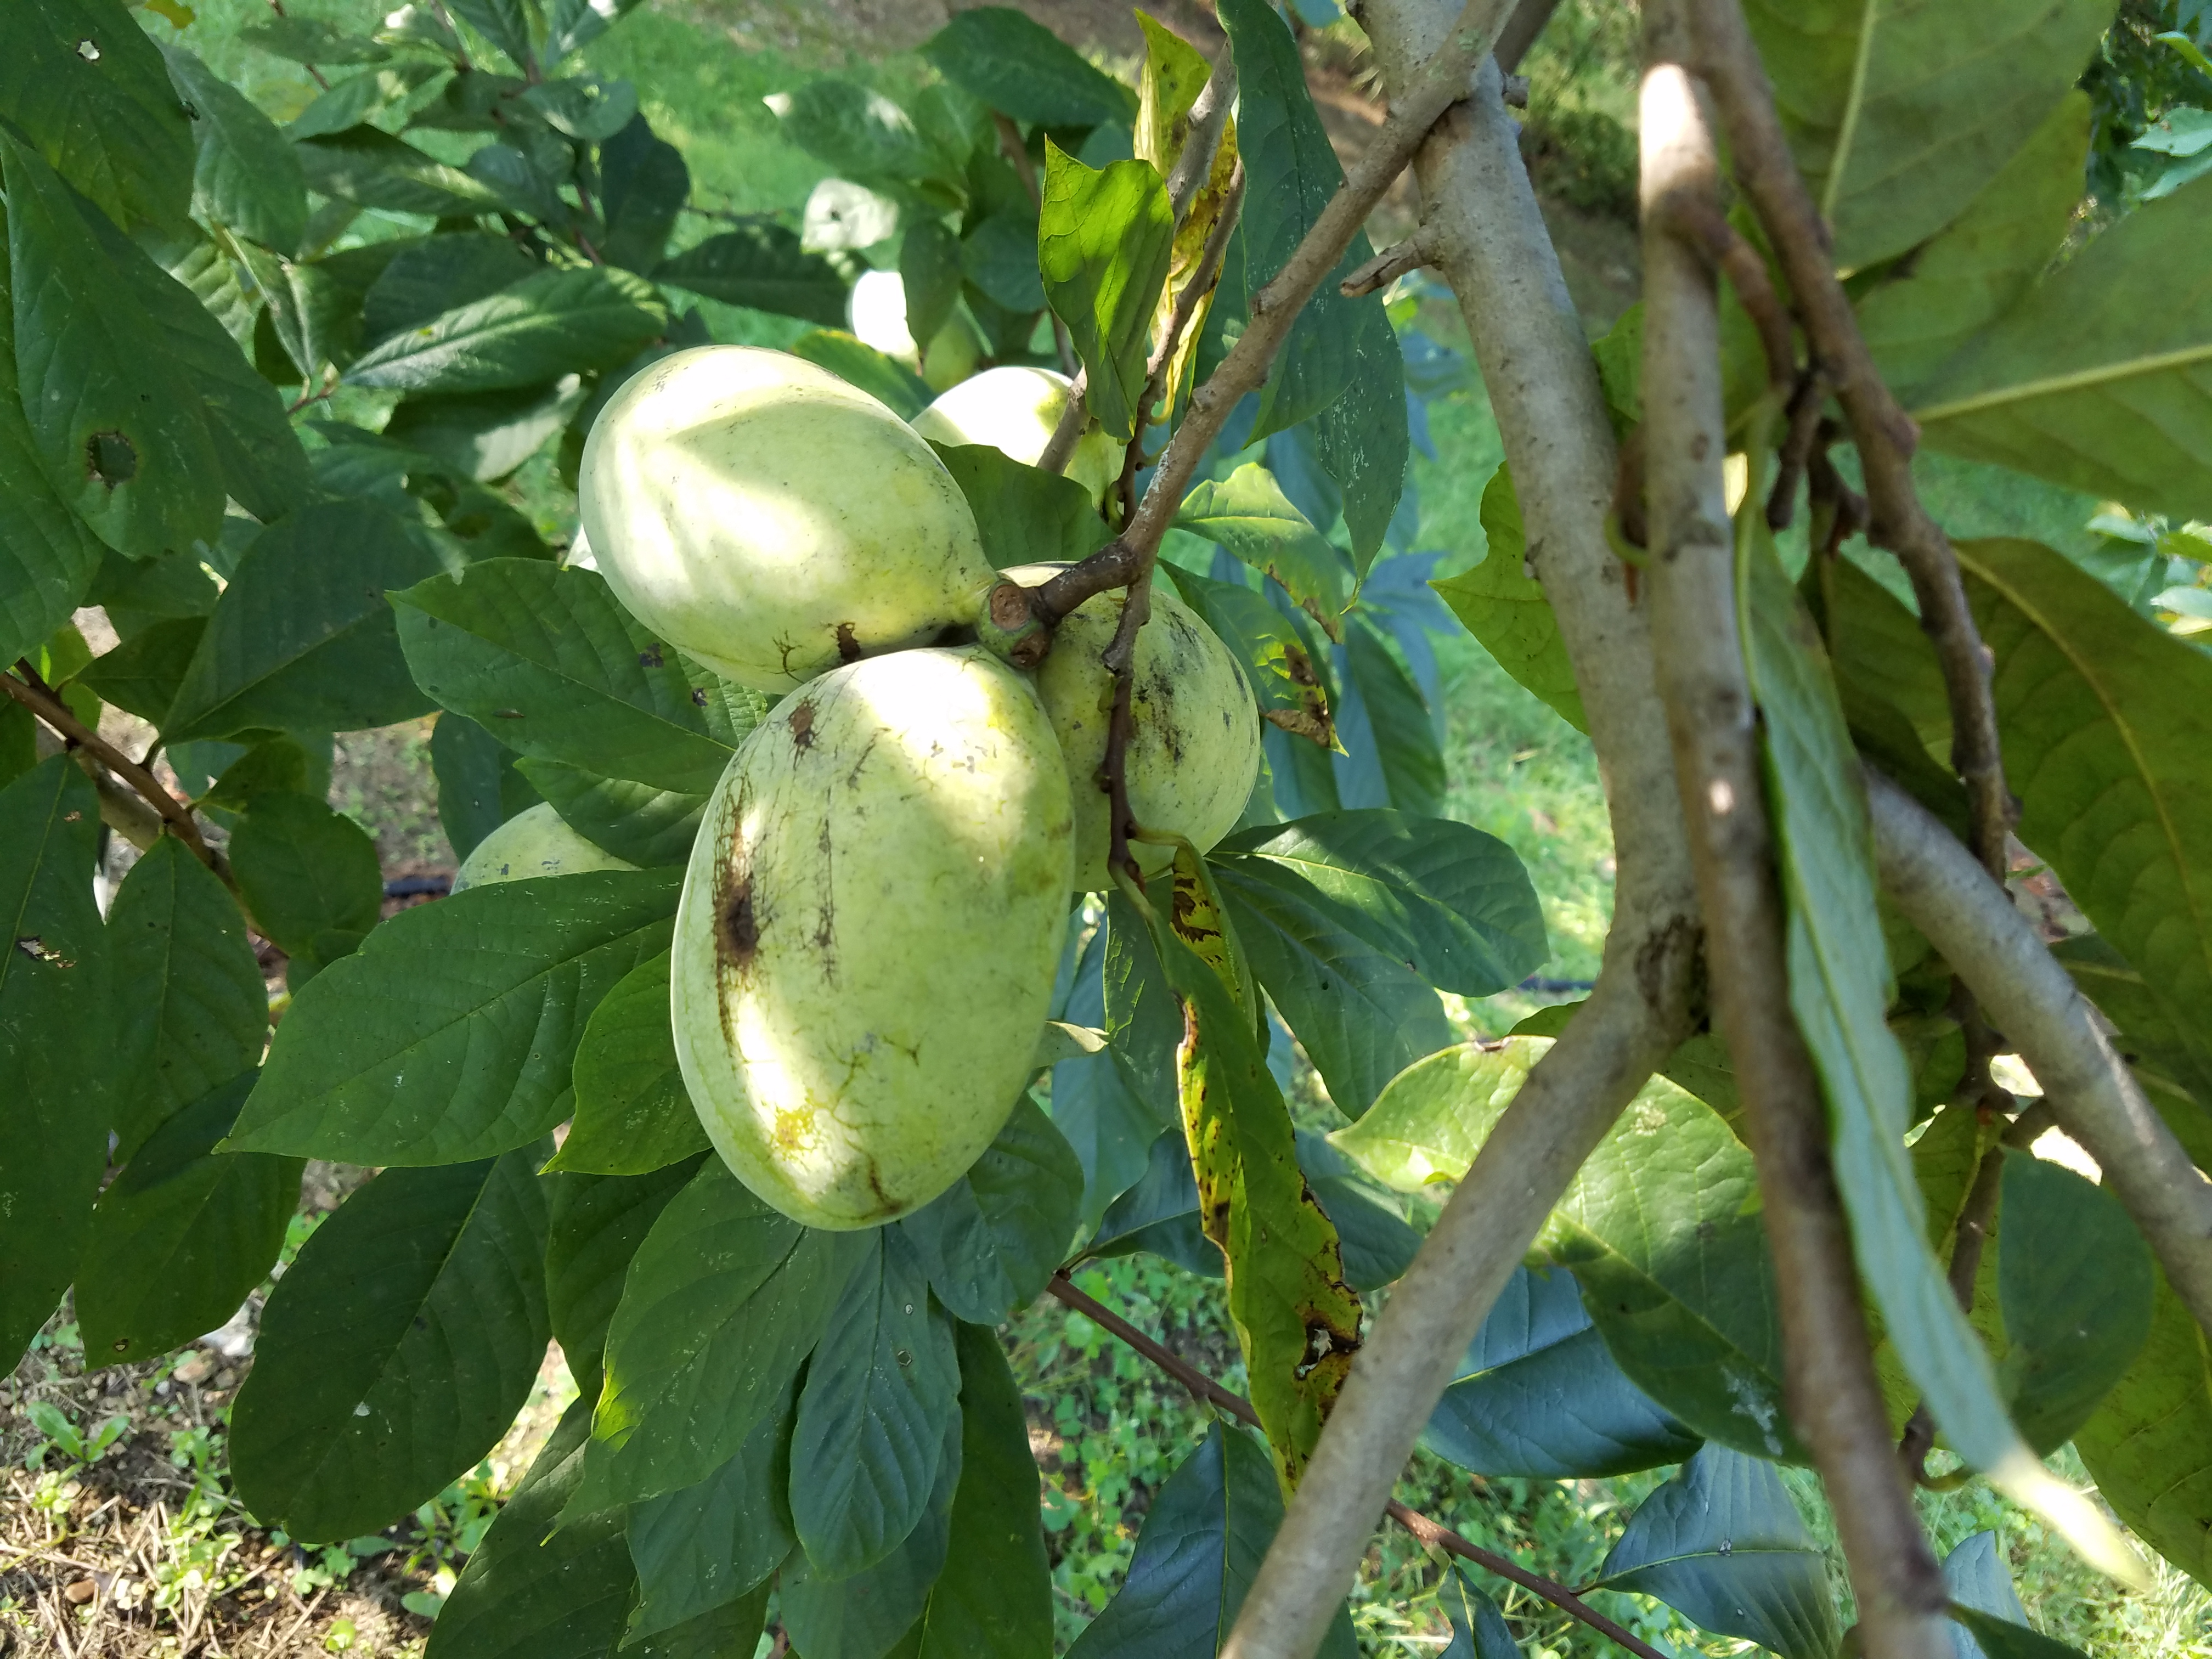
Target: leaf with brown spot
(1297, 1319)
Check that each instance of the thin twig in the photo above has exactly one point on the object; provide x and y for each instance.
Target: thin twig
(1386, 267)
(1431, 1533)
(1061, 446)
(1834, 1398)
(1886, 435)
(1802, 426)
(1276, 307)
(35, 695)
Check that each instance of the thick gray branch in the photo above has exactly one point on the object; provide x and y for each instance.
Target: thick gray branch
(1491, 245)
(1835, 1399)
(2029, 996)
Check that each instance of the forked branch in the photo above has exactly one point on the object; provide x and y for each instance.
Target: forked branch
(28, 688)
(1729, 61)
(1433, 1534)
(1834, 1397)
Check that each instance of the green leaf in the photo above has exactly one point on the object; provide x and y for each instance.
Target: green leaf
(1362, 1015)
(1398, 721)
(54, 1043)
(2149, 1446)
(1977, 1577)
(1269, 649)
(725, 1300)
(999, 258)
(246, 177)
(1840, 987)
(1504, 607)
(643, 186)
(183, 1234)
(372, 169)
(862, 134)
(993, 1600)
(311, 40)
(143, 673)
(302, 639)
(1899, 116)
(1248, 515)
(304, 870)
(2106, 719)
(526, 1595)
(1722, 1544)
(597, 1223)
(1142, 1022)
(2097, 379)
(886, 380)
(545, 659)
(989, 1242)
(423, 279)
(396, 1350)
(479, 788)
(1105, 1120)
(1104, 237)
(552, 324)
(486, 435)
(1478, 1630)
(2076, 1287)
(2000, 1639)
(1291, 172)
(1363, 440)
(929, 275)
(1453, 903)
(1024, 515)
(1201, 1545)
(576, 23)
(108, 121)
(505, 23)
(191, 1011)
(116, 426)
(633, 1115)
(363, 97)
(1985, 259)
(449, 1034)
(880, 1390)
(1016, 65)
(47, 554)
(1673, 1270)
(761, 266)
(636, 822)
(869, 1612)
(705, 1545)
(1538, 1395)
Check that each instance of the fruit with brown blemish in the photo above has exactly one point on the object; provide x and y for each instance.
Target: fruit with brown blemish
(865, 947)
(1194, 751)
(532, 844)
(772, 520)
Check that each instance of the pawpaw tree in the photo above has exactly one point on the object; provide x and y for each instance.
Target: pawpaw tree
(1759, 1200)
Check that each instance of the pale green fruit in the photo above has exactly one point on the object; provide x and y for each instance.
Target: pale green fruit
(1195, 754)
(876, 309)
(773, 521)
(1015, 409)
(866, 944)
(536, 843)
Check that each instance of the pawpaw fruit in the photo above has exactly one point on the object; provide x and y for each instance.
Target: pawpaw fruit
(1195, 752)
(533, 842)
(1014, 410)
(772, 520)
(869, 926)
(876, 311)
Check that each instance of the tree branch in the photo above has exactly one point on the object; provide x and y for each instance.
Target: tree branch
(35, 695)
(1885, 435)
(1434, 1534)
(1491, 245)
(1834, 1397)
(2033, 1000)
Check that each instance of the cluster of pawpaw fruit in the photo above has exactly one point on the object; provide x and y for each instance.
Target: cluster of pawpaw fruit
(877, 898)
